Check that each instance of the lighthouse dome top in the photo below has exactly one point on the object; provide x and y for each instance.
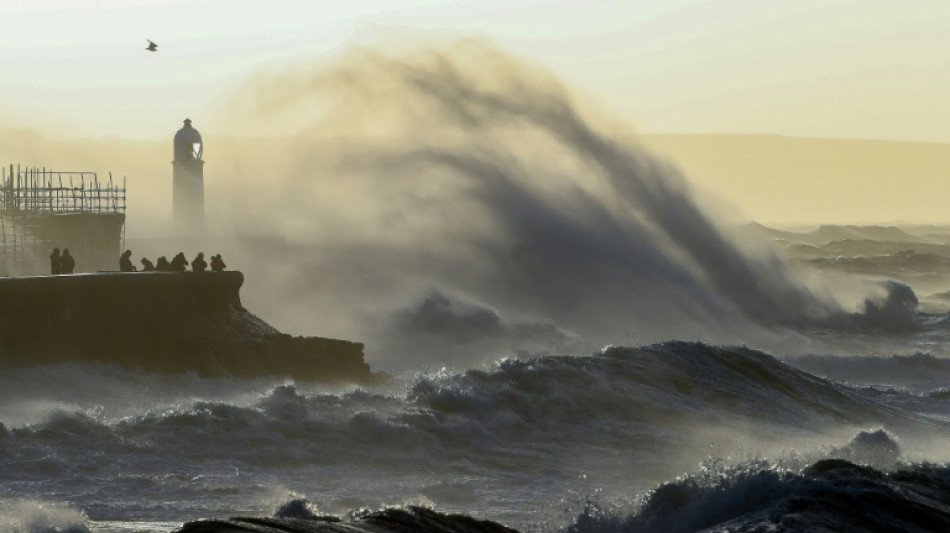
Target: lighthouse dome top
(188, 134)
(187, 142)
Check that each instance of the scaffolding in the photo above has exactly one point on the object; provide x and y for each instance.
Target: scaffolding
(42, 209)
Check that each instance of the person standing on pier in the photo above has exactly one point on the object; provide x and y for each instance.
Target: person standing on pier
(66, 262)
(55, 262)
(199, 264)
(217, 264)
(179, 263)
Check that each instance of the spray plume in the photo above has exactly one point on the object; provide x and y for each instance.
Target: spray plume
(475, 183)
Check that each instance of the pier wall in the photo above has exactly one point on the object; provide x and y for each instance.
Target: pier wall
(166, 322)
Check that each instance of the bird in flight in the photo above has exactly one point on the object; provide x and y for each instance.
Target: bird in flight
(152, 47)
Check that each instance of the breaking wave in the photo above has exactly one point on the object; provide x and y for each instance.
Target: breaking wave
(27, 516)
(830, 495)
(461, 177)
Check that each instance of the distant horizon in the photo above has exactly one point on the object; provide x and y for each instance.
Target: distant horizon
(805, 227)
(773, 179)
(77, 134)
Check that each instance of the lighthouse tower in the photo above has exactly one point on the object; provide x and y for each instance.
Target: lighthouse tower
(188, 195)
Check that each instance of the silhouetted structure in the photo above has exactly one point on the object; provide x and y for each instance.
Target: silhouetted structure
(147, 266)
(217, 264)
(179, 263)
(188, 179)
(54, 264)
(66, 262)
(125, 262)
(199, 264)
(41, 208)
(158, 323)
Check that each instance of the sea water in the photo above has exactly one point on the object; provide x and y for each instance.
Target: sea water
(537, 442)
(572, 339)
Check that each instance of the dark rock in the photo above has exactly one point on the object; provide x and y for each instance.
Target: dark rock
(410, 520)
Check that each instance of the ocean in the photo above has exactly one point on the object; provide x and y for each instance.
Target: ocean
(569, 339)
(669, 436)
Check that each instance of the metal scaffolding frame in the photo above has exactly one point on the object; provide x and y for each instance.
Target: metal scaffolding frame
(37, 204)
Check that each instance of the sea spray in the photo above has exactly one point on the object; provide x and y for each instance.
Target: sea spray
(29, 516)
(465, 171)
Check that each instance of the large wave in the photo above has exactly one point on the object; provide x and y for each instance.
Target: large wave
(463, 172)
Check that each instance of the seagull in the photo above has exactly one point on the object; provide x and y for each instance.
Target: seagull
(152, 47)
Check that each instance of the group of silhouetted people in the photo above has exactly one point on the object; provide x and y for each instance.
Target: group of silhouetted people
(178, 263)
(61, 263)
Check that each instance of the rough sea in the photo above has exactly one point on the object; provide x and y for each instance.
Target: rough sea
(681, 435)
(570, 339)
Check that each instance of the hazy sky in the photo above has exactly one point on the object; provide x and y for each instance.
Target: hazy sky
(819, 68)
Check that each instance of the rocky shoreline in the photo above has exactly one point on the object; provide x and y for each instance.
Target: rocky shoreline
(411, 519)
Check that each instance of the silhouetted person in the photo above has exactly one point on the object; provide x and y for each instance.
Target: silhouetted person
(199, 264)
(163, 265)
(179, 263)
(217, 264)
(147, 266)
(66, 262)
(125, 262)
(55, 262)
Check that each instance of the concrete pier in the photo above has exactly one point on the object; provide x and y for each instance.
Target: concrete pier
(166, 322)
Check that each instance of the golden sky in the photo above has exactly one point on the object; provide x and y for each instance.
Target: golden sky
(815, 68)
(790, 181)
(828, 69)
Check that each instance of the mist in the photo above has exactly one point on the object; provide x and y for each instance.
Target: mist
(453, 198)
(453, 204)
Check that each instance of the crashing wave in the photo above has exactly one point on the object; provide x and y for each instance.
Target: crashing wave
(830, 495)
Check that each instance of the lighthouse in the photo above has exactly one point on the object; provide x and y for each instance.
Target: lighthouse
(188, 195)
